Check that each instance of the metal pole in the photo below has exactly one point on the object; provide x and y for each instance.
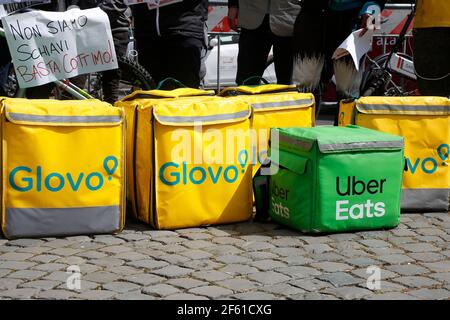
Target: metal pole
(218, 63)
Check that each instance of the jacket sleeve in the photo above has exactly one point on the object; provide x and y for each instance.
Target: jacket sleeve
(233, 3)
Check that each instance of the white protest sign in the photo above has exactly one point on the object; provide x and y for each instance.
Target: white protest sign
(21, 1)
(48, 46)
(355, 46)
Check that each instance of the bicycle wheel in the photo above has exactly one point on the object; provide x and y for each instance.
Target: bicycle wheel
(133, 77)
(397, 85)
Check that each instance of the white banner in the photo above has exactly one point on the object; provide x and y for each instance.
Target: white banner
(48, 46)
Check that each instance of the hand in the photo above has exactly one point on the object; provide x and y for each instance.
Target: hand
(364, 24)
(233, 17)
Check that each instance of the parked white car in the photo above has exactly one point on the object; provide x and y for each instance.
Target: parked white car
(228, 63)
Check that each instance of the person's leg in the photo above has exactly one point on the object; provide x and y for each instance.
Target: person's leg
(184, 56)
(309, 50)
(283, 59)
(431, 61)
(254, 48)
(111, 78)
(152, 55)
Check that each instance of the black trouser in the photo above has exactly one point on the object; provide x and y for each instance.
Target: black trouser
(432, 61)
(171, 57)
(254, 48)
(317, 34)
(111, 78)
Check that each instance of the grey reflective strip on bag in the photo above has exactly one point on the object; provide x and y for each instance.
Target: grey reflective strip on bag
(360, 145)
(306, 145)
(216, 117)
(389, 107)
(425, 199)
(266, 105)
(66, 119)
(41, 222)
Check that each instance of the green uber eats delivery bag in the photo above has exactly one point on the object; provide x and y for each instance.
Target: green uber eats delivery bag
(336, 179)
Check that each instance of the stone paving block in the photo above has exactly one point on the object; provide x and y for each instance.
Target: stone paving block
(136, 295)
(148, 264)
(238, 269)
(40, 284)
(297, 260)
(107, 262)
(228, 241)
(255, 295)
(328, 257)
(416, 281)
(175, 258)
(311, 284)
(57, 276)
(22, 293)
(172, 240)
(33, 250)
(96, 295)
(408, 269)
(432, 239)
(124, 270)
(16, 265)
(286, 242)
(389, 286)
(385, 274)
(391, 296)
(283, 289)
(435, 294)
(211, 275)
(191, 230)
(297, 272)
(443, 277)
(26, 274)
(196, 254)
(101, 277)
(144, 279)
(269, 277)
(314, 296)
(172, 248)
(160, 290)
(440, 266)
(172, 271)
(238, 284)
(419, 247)
(197, 236)
(260, 255)
(232, 259)
(400, 240)
(56, 294)
(120, 286)
(317, 248)
(44, 258)
(223, 250)
(351, 292)
(395, 258)
(7, 283)
(430, 232)
(4, 272)
(155, 234)
(332, 266)
(25, 242)
(184, 296)
(116, 249)
(186, 283)
(287, 251)
(198, 244)
(71, 260)
(362, 262)
(13, 256)
(217, 232)
(267, 264)
(133, 236)
(59, 243)
(385, 251)
(50, 267)
(202, 265)
(340, 279)
(214, 292)
(108, 240)
(130, 256)
(340, 237)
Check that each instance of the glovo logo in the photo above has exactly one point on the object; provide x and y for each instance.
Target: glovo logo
(24, 179)
(172, 173)
(429, 165)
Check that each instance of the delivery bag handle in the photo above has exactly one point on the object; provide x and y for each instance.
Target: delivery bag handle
(170, 80)
(255, 78)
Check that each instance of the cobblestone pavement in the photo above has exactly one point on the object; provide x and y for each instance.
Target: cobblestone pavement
(242, 261)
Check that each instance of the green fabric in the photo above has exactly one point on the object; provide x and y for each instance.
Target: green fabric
(350, 189)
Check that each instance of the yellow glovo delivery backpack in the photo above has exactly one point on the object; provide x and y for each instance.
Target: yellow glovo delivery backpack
(63, 168)
(191, 162)
(424, 122)
(146, 99)
(273, 106)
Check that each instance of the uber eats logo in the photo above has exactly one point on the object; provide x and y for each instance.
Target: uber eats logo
(23, 178)
(348, 187)
(278, 196)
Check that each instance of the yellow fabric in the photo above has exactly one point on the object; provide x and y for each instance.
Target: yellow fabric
(426, 133)
(159, 126)
(146, 99)
(346, 113)
(432, 13)
(283, 114)
(73, 151)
